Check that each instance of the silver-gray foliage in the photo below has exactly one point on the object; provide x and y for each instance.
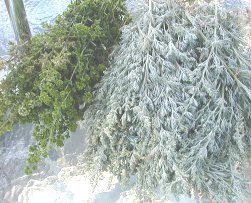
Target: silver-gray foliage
(173, 109)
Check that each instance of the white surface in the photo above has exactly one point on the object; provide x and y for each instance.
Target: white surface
(66, 188)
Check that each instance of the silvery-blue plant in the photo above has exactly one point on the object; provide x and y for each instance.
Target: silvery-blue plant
(173, 109)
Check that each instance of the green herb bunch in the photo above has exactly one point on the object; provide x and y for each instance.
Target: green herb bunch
(51, 78)
(172, 113)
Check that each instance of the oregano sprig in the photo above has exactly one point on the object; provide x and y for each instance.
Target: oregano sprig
(53, 75)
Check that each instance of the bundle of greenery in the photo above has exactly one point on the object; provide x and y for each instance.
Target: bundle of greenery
(51, 76)
(172, 113)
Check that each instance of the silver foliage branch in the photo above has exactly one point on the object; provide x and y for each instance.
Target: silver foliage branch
(218, 143)
(173, 109)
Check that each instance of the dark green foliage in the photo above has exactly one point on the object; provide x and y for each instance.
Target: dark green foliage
(54, 74)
